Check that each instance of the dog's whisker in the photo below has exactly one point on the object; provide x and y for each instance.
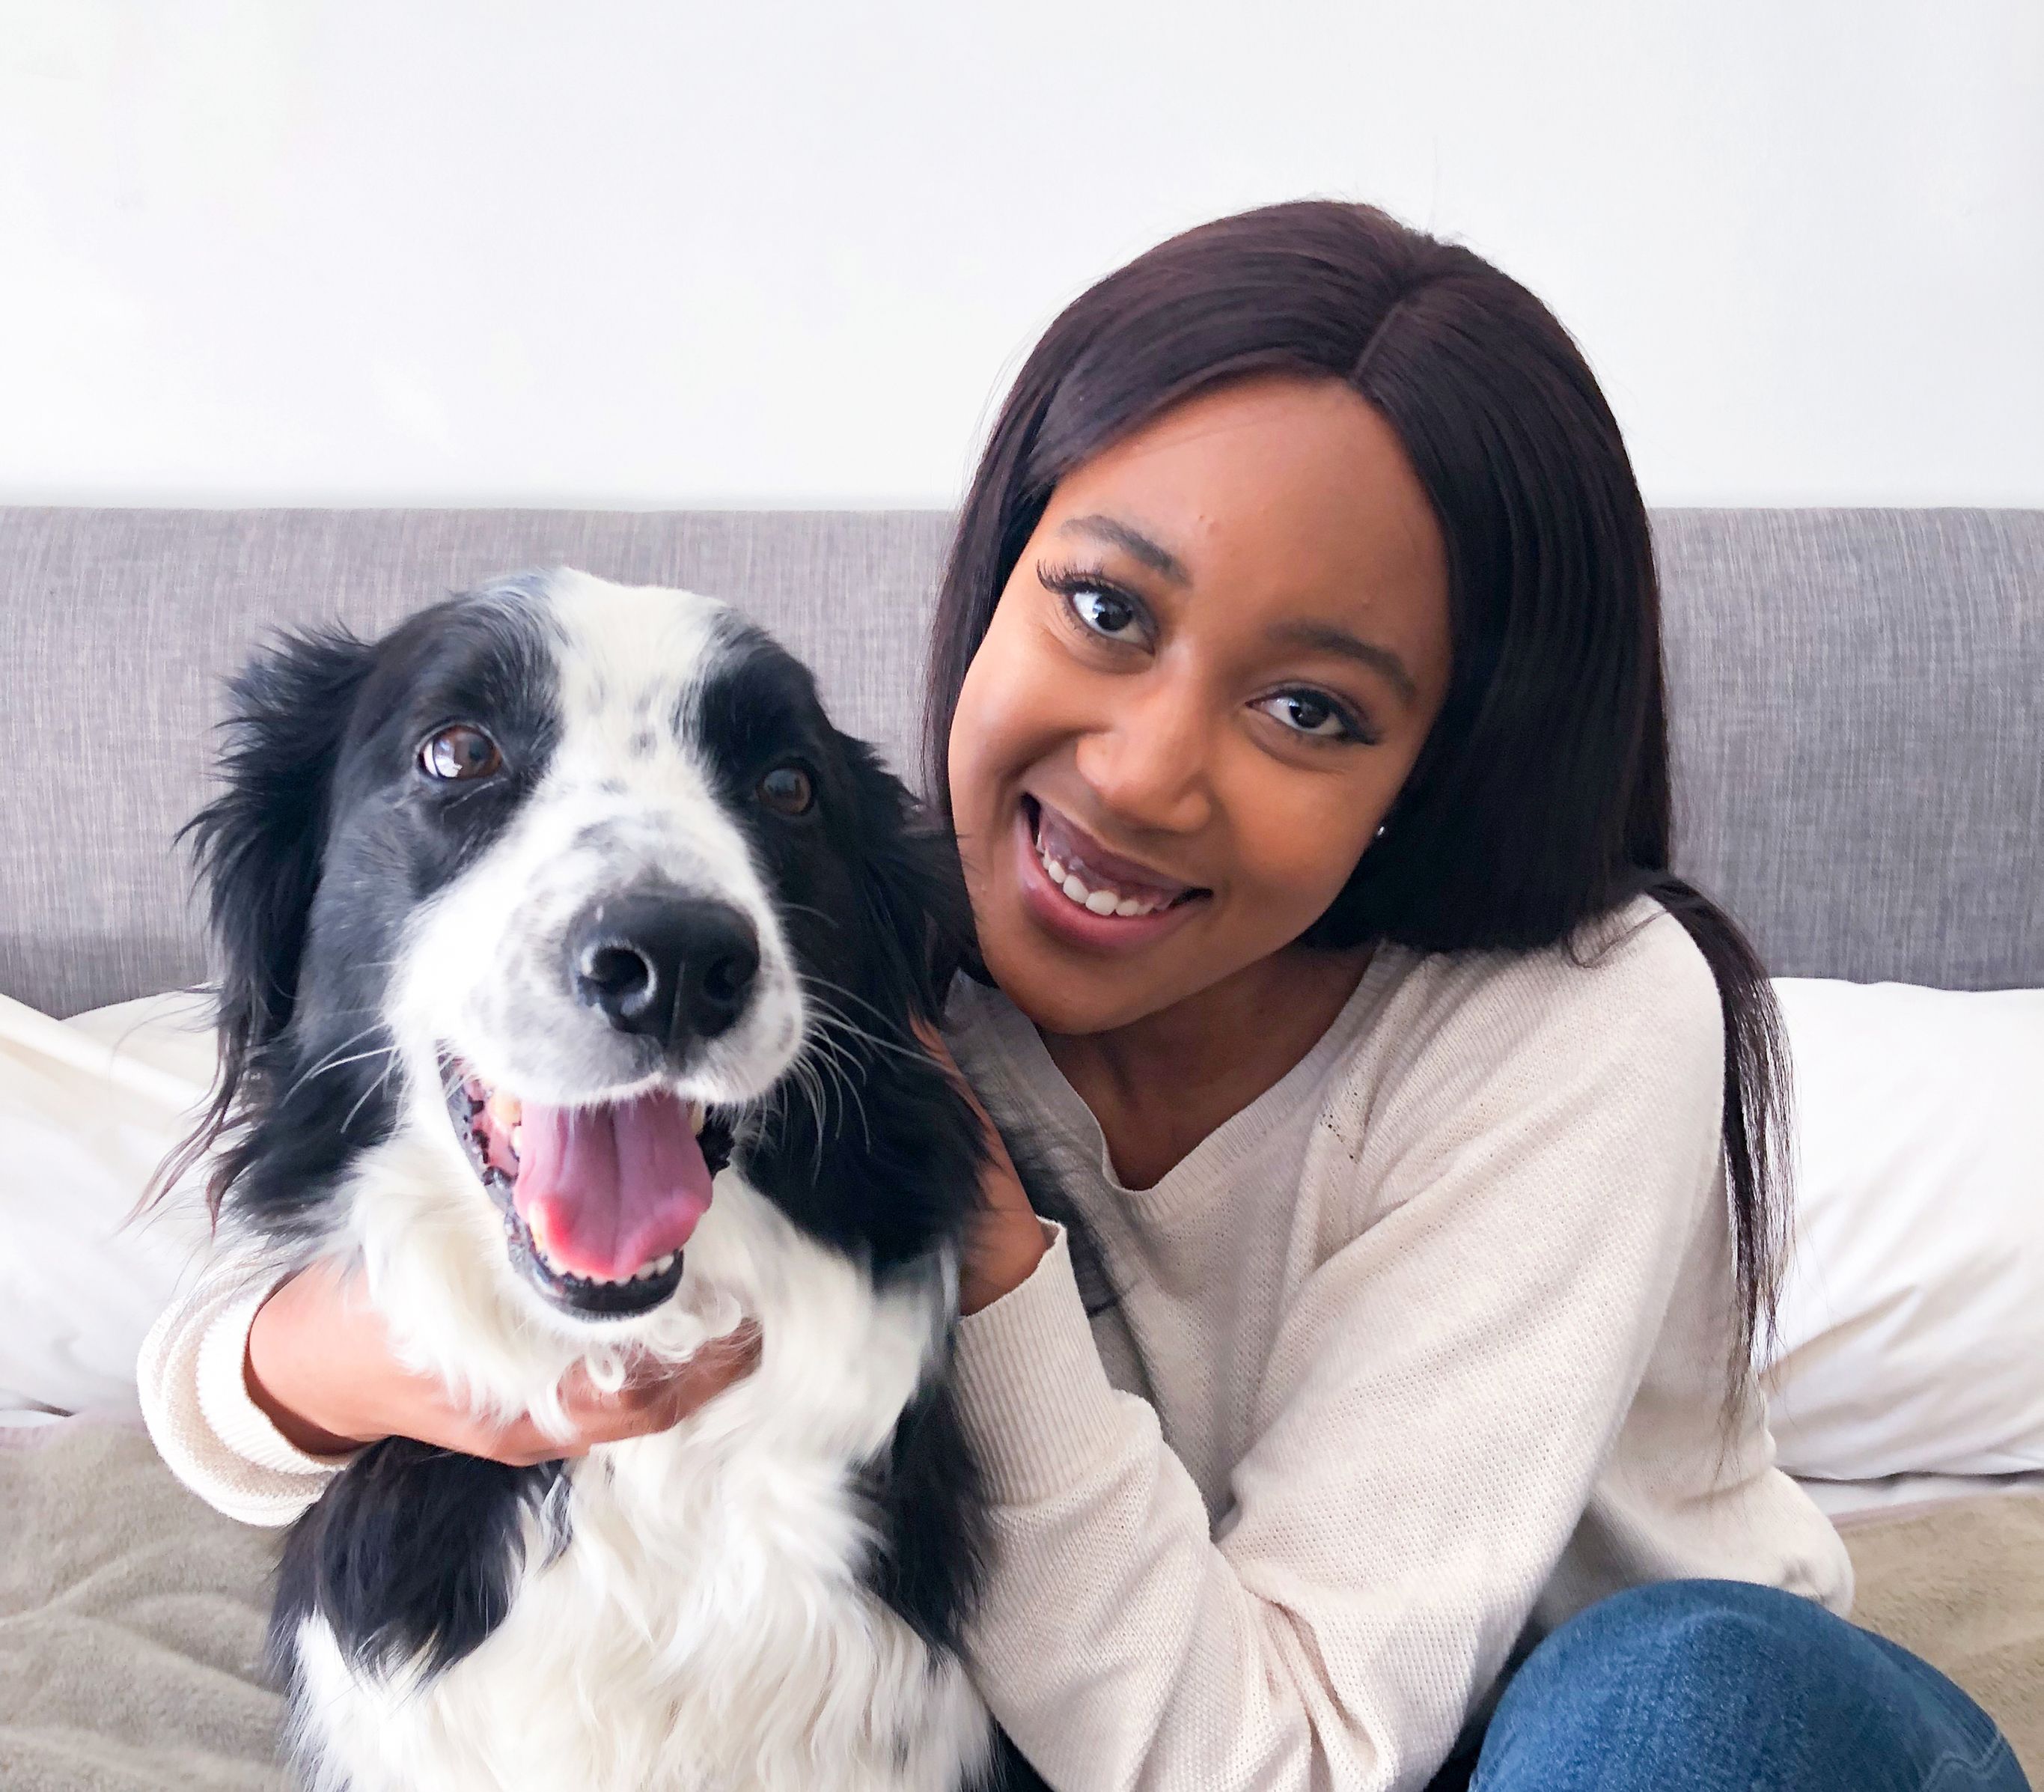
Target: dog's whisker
(815, 979)
(383, 1078)
(835, 1017)
(332, 1063)
(831, 1072)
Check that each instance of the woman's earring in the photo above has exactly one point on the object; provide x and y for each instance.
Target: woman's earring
(1381, 826)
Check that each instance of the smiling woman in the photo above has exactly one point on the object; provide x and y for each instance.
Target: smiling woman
(1297, 697)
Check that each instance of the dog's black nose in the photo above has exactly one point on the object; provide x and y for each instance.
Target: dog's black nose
(672, 967)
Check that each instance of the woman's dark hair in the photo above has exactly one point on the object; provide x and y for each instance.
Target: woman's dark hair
(1540, 800)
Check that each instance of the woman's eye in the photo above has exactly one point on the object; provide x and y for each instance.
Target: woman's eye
(788, 789)
(1306, 712)
(1105, 614)
(461, 753)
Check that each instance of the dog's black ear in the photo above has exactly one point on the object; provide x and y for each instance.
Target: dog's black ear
(913, 886)
(258, 845)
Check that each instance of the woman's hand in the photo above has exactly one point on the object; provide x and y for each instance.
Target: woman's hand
(1008, 1242)
(320, 1365)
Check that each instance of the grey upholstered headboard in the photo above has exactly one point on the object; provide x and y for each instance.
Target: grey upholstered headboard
(1858, 702)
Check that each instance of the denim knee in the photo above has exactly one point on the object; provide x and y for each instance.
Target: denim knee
(1717, 1684)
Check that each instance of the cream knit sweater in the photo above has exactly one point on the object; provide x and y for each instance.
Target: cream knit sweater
(1414, 1357)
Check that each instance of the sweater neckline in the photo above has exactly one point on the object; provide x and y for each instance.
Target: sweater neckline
(1206, 1166)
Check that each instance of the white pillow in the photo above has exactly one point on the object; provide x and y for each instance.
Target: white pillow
(1912, 1320)
(1911, 1336)
(88, 1106)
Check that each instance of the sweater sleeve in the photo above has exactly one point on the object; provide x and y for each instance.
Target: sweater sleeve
(192, 1377)
(1523, 1182)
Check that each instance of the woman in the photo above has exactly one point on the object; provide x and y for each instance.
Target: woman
(1296, 699)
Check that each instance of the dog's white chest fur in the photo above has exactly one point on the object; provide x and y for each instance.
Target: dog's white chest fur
(705, 1629)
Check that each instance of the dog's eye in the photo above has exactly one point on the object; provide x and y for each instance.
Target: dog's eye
(460, 752)
(787, 789)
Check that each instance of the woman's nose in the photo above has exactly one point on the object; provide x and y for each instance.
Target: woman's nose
(1149, 764)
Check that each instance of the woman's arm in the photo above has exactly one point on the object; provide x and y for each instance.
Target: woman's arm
(257, 1392)
(1441, 1396)
(206, 1421)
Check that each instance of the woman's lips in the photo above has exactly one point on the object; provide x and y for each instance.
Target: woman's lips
(1150, 905)
(1068, 850)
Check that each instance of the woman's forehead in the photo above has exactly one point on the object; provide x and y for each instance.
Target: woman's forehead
(1228, 473)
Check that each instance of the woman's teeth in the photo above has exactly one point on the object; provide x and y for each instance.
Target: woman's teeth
(1106, 899)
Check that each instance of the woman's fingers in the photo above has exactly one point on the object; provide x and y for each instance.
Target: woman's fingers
(320, 1363)
(648, 1402)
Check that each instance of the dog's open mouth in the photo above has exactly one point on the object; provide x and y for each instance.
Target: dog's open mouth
(598, 1201)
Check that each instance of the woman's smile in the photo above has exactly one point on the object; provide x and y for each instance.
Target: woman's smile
(1083, 893)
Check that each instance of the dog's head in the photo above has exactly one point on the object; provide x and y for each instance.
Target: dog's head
(568, 890)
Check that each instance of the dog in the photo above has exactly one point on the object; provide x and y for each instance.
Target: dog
(571, 967)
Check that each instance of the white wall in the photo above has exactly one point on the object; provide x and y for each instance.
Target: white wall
(510, 251)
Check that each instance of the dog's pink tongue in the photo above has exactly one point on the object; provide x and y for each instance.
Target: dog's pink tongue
(607, 1190)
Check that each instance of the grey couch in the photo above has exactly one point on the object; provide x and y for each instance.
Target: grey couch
(1857, 700)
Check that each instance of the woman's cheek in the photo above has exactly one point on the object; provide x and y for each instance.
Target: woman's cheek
(1302, 853)
(1010, 717)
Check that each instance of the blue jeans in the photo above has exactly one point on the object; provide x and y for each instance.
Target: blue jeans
(1708, 1686)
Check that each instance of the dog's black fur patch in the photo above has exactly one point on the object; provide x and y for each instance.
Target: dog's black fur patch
(930, 1513)
(1011, 1771)
(412, 1555)
(320, 846)
(861, 888)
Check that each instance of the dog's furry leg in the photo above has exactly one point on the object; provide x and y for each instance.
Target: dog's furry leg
(412, 1557)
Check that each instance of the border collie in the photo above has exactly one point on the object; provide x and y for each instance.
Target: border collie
(571, 963)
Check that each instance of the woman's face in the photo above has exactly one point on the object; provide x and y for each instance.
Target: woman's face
(1206, 680)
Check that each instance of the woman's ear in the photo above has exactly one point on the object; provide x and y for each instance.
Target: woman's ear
(258, 844)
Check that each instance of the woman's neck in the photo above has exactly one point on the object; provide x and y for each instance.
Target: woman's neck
(1160, 1085)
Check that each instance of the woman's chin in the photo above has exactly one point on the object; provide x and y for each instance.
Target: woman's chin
(1066, 992)
(1059, 1003)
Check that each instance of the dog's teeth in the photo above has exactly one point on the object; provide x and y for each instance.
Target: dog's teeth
(698, 1114)
(503, 1111)
(517, 1141)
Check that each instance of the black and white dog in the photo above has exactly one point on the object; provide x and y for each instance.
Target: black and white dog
(571, 963)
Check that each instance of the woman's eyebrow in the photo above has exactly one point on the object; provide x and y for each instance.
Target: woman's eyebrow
(1329, 637)
(1130, 541)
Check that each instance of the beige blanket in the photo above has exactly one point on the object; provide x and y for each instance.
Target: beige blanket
(131, 1618)
(1962, 1584)
(131, 1624)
